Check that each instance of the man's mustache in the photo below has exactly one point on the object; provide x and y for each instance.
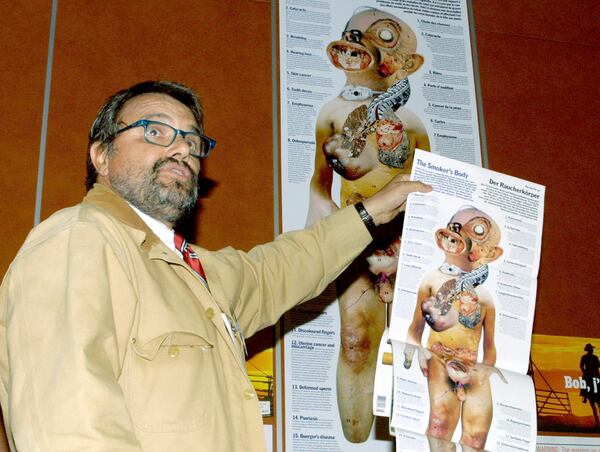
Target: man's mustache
(162, 162)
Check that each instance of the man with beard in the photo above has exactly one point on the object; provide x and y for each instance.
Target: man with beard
(118, 335)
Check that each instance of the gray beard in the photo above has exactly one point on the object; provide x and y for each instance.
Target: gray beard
(166, 203)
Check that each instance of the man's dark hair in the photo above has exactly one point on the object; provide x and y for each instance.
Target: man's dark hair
(105, 125)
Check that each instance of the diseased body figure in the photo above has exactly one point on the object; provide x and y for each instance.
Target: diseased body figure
(368, 137)
(452, 301)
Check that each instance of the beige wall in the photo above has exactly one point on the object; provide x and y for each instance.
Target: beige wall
(539, 75)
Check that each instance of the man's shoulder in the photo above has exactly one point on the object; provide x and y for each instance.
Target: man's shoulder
(60, 220)
(86, 218)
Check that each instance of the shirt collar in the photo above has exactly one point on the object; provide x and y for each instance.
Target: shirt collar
(162, 231)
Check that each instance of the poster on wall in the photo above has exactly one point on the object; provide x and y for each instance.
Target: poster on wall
(566, 373)
(362, 85)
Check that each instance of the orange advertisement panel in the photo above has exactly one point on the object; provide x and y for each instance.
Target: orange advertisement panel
(260, 372)
(260, 365)
(566, 375)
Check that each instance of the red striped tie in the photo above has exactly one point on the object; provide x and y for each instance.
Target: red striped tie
(190, 257)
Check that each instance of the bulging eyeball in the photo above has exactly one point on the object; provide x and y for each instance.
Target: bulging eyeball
(479, 229)
(386, 35)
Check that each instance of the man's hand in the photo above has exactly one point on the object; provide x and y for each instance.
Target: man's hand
(388, 202)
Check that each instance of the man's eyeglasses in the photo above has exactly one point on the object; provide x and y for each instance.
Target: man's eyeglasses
(161, 134)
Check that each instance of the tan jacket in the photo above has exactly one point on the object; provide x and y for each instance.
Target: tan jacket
(108, 341)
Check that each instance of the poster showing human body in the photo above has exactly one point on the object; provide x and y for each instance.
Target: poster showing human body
(463, 309)
(362, 84)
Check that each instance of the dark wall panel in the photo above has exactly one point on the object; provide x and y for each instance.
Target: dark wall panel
(24, 29)
(540, 80)
(223, 53)
(571, 21)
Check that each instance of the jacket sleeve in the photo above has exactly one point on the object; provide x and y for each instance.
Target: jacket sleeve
(272, 278)
(64, 353)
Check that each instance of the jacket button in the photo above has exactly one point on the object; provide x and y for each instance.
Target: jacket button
(249, 394)
(173, 351)
(210, 313)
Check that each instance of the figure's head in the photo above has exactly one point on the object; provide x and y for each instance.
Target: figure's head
(588, 348)
(376, 42)
(146, 143)
(471, 237)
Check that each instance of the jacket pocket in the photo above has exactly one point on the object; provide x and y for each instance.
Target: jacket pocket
(171, 382)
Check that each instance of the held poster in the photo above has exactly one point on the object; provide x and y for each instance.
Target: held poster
(463, 309)
(362, 85)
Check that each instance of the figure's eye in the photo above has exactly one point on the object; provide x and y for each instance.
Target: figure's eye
(455, 227)
(386, 35)
(479, 230)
